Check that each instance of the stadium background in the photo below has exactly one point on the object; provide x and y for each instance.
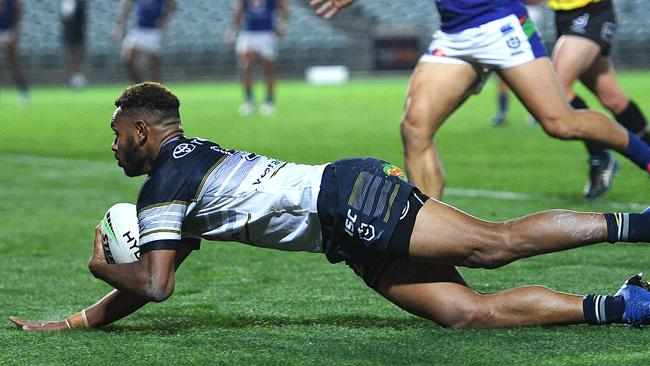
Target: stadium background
(193, 45)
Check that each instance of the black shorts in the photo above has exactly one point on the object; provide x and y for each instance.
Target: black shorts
(367, 211)
(596, 22)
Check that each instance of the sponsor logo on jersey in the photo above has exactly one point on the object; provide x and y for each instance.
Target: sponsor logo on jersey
(182, 150)
(393, 171)
(580, 23)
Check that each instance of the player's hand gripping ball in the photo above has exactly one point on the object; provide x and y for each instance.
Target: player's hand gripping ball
(120, 234)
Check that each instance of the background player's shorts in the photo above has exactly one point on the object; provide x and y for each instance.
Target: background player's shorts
(146, 40)
(367, 211)
(499, 44)
(263, 43)
(595, 21)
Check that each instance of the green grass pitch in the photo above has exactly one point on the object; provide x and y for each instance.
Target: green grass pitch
(235, 304)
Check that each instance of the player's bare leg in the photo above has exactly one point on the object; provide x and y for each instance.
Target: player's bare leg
(246, 64)
(572, 56)
(601, 79)
(268, 66)
(435, 91)
(444, 234)
(547, 102)
(439, 293)
(14, 65)
(131, 61)
(155, 63)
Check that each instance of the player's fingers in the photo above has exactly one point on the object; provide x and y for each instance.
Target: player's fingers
(315, 2)
(331, 13)
(324, 8)
(19, 323)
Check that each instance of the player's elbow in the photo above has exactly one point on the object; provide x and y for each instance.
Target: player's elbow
(159, 291)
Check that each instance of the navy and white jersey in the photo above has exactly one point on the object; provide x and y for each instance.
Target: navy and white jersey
(198, 190)
(148, 12)
(458, 15)
(6, 14)
(259, 15)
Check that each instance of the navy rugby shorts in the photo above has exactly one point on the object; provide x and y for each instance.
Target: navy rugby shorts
(367, 210)
(595, 21)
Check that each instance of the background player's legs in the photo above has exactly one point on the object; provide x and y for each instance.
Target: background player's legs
(246, 63)
(155, 62)
(538, 88)
(427, 106)
(76, 65)
(501, 117)
(268, 66)
(131, 61)
(439, 293)
(573, 57)
(443, 234)
(16, 72)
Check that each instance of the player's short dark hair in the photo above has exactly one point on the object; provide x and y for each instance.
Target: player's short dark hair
(152, 100)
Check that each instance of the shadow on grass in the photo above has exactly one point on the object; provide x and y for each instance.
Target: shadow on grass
(224, 321)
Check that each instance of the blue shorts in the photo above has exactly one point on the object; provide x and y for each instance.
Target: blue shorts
(367, 211)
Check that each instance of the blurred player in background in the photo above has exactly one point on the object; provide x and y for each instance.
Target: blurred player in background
(360, 210)
(10, 17)
(476, 38)
(586, 30)
(258, 38)
(152, 16)
(536, 14)
(73, 20)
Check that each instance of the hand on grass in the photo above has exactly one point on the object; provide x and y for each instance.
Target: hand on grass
(38, 326)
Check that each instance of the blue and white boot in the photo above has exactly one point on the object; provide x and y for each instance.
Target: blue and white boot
(636, 293)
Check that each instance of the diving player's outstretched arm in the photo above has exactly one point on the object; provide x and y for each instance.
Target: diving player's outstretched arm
(114, 306)
(329, 8)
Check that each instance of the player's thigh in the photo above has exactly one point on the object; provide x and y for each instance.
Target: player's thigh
(538, 88)
(434, 292)
(446, 235)
(572, 56)
(601, 79)
(435, 91)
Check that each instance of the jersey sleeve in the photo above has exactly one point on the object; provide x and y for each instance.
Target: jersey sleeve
(162, 207)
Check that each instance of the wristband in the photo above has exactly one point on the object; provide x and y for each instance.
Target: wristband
(78, 320)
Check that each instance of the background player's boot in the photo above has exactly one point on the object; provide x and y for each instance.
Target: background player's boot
(636, 293)
(499, 119)
(247, 108)
(601, 173)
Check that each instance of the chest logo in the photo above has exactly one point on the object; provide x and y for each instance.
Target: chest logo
(182, 150)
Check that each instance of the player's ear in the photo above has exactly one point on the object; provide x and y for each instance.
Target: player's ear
(141, 131)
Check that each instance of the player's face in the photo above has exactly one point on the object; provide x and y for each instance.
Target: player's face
(127, 152)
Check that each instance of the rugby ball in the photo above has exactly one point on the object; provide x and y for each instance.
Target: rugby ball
(120, 234)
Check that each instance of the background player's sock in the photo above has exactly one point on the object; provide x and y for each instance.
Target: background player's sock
(503, 103)
(634, 120)
(628, 227)
(600, 309)
(249, 94)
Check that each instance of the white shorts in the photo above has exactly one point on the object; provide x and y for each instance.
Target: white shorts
(263, 43)
(499, 44)
(147, 40)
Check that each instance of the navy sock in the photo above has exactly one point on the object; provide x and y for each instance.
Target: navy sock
(600, 309)
(628, 227)
(249, 94)
(632, 118)
(638, 151)
(503, 102)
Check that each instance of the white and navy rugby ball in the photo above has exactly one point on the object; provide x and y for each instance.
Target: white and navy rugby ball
(120, 234)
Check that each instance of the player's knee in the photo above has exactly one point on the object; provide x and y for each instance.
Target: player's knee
(415, 131)
(560, 127)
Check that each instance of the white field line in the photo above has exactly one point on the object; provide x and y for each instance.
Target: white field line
(454, 192)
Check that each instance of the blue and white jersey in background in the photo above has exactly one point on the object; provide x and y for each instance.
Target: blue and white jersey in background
(198, 190)
(458, 15)
(259, 15)
(148, 12)
(6, 14)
